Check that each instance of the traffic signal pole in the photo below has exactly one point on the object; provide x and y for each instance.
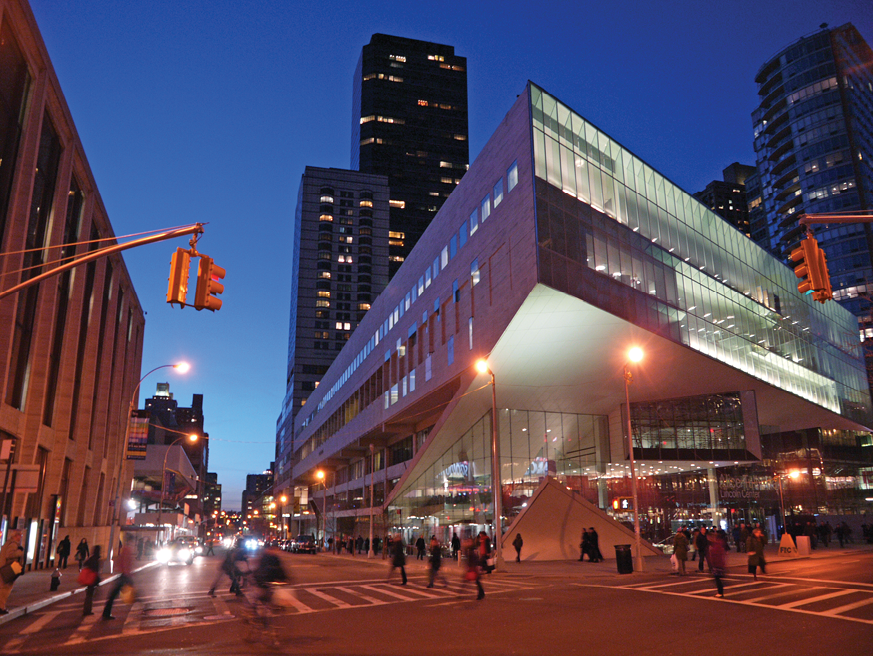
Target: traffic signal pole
(195, 229)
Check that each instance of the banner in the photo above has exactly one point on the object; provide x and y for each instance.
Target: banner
(138, 435)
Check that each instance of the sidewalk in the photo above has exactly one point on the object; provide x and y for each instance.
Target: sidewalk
(32, 591)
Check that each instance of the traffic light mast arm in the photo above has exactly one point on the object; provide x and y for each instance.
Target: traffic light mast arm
(810, 219)
(197, 229)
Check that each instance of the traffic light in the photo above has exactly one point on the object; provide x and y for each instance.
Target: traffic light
(623, 504)
(208, 276)
(812, 269)
(178, 287)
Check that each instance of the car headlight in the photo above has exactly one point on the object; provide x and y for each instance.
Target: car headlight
(184, 554)
(198, 549)
(164, 555)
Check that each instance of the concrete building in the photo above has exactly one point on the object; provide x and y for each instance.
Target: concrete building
(409, 122)
(339, 265)
(70, 346)
(558, 251)
(727, 197)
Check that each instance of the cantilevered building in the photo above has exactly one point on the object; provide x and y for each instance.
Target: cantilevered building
(558, 251)
(409, 122)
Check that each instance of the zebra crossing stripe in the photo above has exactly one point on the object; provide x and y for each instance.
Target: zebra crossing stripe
(848, 607)
(804, 602)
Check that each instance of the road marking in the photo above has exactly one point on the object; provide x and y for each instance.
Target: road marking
(381, 590)
(848, 607)
(804, 602)
(82, 631)
(15, 643)
(339, 603)
(368, 599)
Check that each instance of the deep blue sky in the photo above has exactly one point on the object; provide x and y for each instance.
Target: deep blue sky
(208, 111)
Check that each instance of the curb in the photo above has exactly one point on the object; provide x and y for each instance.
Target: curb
(21, 611)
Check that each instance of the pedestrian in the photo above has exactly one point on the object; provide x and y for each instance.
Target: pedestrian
(82, 552)
(456, 545)
(594, 554)
(474, 571)
(124, 563)
(585, 545)
(359, 543)
(90, 568)
(64, 548)
(210, 547)
(436, 557)
(420, 548)
(398, 558)
(755, 549)
(518, 543)
(485, 553)
(350, 545)
(744, 537)
(330, 544)
(680, 550)
(716, 552)
(701, 541)
(11, 552)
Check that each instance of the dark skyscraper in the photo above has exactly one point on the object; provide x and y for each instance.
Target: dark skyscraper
(727, 197)
(409, 122)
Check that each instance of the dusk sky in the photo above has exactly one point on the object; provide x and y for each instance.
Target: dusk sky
(209, 111)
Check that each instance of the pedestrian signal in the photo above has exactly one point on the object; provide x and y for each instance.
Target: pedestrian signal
(208, 276)
(623, 504)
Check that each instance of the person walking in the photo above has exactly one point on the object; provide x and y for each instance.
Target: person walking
(210, 547)
(398, 558)
(680, 550)
(420, 548)
(436, 557)
(594, 554)
(518, 543)
(10, 552)
(474, 569)
(124, 562)
(227, 567)
(64, 548)
(456, 545)
(716, 553)
(82, 552)
(585, 545)
(92, 565)
(755, 549)
(701, 541)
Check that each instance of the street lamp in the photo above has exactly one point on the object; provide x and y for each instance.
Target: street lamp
(321, 476)
(634, 355)
(284, 500)
(181, 367)
(371, 553)
(193, 437)
(496, 482)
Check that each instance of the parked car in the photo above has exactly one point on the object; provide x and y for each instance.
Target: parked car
(176, 551)
(303, 544)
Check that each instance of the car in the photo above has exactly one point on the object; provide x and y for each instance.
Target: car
(303, 544)
(177, 551)
(193, 543)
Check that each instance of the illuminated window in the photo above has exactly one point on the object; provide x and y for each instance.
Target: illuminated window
(367, 119)
(486, 208)
(365, 203)
(365, 142)
(460, 137)
(444, 257)
(325, 217)
(474, 222)
(438, 58)
(396, 235)
(422, 103)
(395, 258)
(399, 58)
(327, 199)
(474, 272)
(445, 165)
(444, 181)
(400, 204)
(395, 242)
(363, 306)
(498, 192)
(322, 303)
(324, 274)
(323, 294)
(512, 176)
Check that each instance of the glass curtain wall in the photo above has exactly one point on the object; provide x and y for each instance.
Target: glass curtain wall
(454, 493)
(716, 291)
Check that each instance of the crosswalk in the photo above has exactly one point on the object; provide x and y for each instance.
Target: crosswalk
(63, 624)
(846, 601)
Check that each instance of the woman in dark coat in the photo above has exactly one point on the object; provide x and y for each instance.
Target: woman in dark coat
(82, 552)
(92, 563)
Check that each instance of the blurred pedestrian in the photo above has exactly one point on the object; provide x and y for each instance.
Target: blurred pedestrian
(755, 549)
(90, 568)
(594, 554)
(64, 549)
(82, 552)
(398, 558)
(585, 545)
(474, 570)
(10, 554)
(518, 543)
(436, 557)
(680, 550)
(124, 562)
(230, 567)
(716, 552)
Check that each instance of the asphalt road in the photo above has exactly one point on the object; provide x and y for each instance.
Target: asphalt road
(346, 606)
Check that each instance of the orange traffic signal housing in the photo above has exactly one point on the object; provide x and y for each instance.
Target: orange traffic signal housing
(208, 276)
(812, 270)
(822, 287)
(177, 290)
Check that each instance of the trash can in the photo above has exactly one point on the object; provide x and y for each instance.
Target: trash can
(624, 559)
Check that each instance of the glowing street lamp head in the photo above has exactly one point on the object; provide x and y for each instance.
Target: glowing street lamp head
(794, 474)
(182, 367)
(283, 499)
(319, 475)
(193, 437)
(635, 354)
(482, 366)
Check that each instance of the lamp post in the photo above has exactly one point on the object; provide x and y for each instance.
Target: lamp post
(793, 474)
(191, 438)
(634, 355)
(320, 475)
(283, 499)
(181, 367)
(370, 552)
(496, 481)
